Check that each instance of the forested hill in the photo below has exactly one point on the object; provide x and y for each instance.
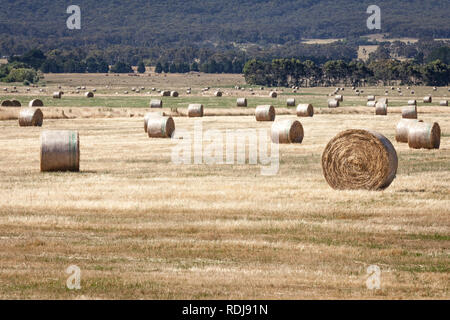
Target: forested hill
(171, 23)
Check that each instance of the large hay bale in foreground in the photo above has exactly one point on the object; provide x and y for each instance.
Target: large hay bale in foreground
(57, 95)
(241, 102)
(265, 113)
(381, 109)
(290, 102)
(359, 159)
(60, 151)
(36, 103)
(424, 135)
(332, 103)
(195, 110)
(409, 112)
(160, 127)
(305, 110)
(273, 94)
(371, 104)
(287, 131)
(149, 115)
(443, 103)
(156, 103)
(402, 129)
(7, 103)
(427, 99)
(89, 94)
(16, 103)
(31, 117)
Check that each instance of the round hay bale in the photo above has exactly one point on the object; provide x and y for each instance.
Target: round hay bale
(402, 129)
(16, 103)
(443, 103)
(160, 127)
(287, 131)
(155, 103)
(188, 91)
(31, 117)
(381, 109)
(412, 102)
(195, 110)
(332, 103)
(370, 98)
(218, 93)
(290, 102)
(36, 103)
(423, 135)
(89, 94)
(371, 104)
(165, 93)
(125, 92)
(409, 112)
(412, 92)
(359, 159)
(57, 95)
(305, 110)
(339, 97)
(273, 94)
(427, 99)
(174, 94)
(265, 113)
(241, 102)
(60, 151)
(434, 89)
(150, 115)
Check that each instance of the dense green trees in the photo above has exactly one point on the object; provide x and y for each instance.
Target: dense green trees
(121, 67)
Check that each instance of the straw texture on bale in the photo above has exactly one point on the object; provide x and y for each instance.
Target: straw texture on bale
(36, 103)
(332, 103)
(241, 102)
(427, 99)
(424, 135)
(60, 151)
(265, 113)
(305, 110)
(150, 115)
(359, 159)
(409, 112)
(31, 117)
(174, 94)
(412, 102)
(16, 103)
(381, 109)
(160, 127)
(89, 94)
(339, 97)
(443, 103)
(402, 129)
(371, 104)
(370, 98)
(287, 131)
(195, 110)
(155, 103)
(290, 102)
(57, 95)
(273, 94)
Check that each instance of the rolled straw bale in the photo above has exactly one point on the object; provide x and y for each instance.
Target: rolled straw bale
(89, 94)
(160, 127)
(287, 131)
(156, 103)
(305, 110)
(412, 102)
(339, 97)
(290, 102)
(241, 102)
(57, 95)
(381, 109)
(370, 98)
(174, 94)
(273, 94)
(195, 110)
(371, 104)
(265, 113)
(424, 135)
(16, 103)
(402, 129)
(359, 159)
(165, 93)
(218, 93)
(409, 112)
(31, 117)
(150, 115)
(412, 92)
(60, 151)
(427, 99)
(36, 103)
(443, 103)
(332, 103)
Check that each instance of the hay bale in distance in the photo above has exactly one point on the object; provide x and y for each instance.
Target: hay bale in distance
(195, 110)
(36, 103)
(89, 94)
(427, 99)
(402, 129)
(287, 131)
(381, 109)
(29, 117)
(174, 94)
(149, 115)
(160, 127)
(370, 98)
(290, 102)
(359, 159)
(333, 103)
(7, 103)
(156, 103)
(241, 102)
(60, 151)
(218, 93)
(273, 94)
(339, 97)
(412, 102)
(443, 103)
(371, 104)
(57, 95)
(165, 93)
(305, 110)
(16, 103)
(265, 113)
(424, 135)
(409, 112)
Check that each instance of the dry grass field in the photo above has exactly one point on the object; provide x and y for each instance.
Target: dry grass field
(141, 227)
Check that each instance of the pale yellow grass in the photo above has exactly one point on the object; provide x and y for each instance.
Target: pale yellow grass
(140, 226)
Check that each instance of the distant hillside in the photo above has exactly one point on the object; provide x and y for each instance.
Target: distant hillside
(171, 23)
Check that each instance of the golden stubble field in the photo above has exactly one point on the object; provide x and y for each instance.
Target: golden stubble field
(142, 227)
